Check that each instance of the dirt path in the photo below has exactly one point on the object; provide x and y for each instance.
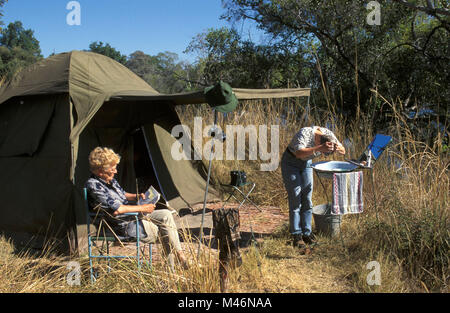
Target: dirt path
(282, 268)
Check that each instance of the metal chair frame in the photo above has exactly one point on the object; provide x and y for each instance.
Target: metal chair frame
(106, 239)
(244, 195)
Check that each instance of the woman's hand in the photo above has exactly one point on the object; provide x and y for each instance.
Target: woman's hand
(134, 196)
(149, 208)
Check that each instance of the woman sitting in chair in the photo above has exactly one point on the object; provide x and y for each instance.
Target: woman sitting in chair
(105, 192)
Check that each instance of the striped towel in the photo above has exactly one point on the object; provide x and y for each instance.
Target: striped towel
(347, 193)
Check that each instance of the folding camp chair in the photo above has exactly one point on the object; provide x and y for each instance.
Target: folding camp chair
(106, 236)
(240, 185)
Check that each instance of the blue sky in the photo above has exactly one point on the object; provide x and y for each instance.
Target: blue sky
(151, 26)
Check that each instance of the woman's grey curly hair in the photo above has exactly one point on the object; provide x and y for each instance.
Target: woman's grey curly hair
(102, 158)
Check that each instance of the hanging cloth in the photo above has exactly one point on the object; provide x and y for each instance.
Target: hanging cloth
(347, 193)
(221, 97)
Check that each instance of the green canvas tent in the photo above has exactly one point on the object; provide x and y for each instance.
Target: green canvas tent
(53, 113)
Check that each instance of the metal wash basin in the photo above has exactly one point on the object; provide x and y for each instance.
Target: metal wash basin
(327, 168)
(369, 156)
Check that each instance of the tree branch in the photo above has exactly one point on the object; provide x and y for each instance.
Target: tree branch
(429, 9)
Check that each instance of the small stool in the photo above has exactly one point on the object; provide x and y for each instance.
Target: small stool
(239, 184)
(244, 195)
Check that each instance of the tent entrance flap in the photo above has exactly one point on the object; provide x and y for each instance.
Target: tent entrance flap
(143, 164)
(182, 183)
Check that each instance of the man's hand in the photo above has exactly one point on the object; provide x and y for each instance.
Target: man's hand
(327, 147)
(340, 149)
(331, 147)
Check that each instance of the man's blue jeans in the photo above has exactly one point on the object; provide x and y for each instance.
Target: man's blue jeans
(298, 180)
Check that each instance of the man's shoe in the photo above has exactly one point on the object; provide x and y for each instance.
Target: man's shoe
(298, 242)
(309, 240)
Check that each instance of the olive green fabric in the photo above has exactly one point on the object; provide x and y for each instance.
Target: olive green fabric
(198, 97)
(37, 194)
(89, 78)
(253, 94)
(25, 126)
(221, 97)
(48, 76)
(182, 184)
(53, 113)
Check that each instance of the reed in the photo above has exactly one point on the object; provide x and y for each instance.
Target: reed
(405, 225)
(406, 219)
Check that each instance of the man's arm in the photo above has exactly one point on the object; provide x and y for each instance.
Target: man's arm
(326, 147)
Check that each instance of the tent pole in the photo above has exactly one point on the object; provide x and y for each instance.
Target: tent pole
(207, 185)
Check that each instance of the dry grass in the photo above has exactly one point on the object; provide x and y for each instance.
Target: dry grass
(404, 227)
(274, 266)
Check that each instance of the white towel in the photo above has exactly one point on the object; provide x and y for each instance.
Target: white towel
(347, 193)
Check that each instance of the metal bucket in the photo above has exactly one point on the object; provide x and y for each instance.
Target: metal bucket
(326, 223)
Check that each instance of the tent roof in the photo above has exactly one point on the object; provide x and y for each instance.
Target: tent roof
(90, 74)
(75, 71)
(91, 79)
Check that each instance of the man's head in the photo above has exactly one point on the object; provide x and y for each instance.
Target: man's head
(325, 138)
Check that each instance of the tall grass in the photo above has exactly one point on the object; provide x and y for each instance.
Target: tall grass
(411, 224)
(24, 273)
(404, 226)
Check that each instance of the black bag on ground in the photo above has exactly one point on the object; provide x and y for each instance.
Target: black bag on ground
(238, 178)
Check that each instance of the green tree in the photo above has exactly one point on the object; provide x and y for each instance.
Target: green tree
(217, 48)
(2, 3)
(106, 49)
(18, 48)
(16, 36)
(405, 57)
(224, 55)
(164, 71)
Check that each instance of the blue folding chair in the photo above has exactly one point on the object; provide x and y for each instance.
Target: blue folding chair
(107, 236)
